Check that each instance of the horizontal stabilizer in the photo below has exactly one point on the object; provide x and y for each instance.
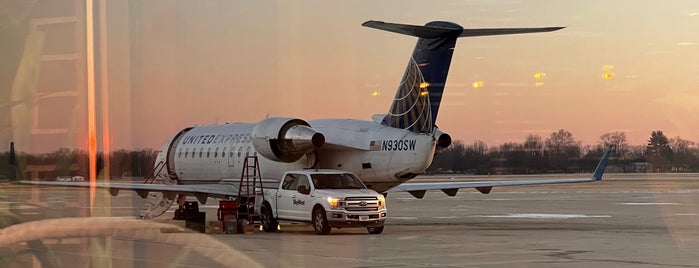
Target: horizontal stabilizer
(503, 31)
(433, 31)
(413, 30)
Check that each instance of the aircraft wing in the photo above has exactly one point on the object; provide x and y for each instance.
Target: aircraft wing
(451, 188)
(201, 191)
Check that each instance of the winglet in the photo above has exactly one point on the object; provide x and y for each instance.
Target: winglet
(602, 166)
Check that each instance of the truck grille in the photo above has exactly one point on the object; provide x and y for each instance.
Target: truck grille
(361, 203)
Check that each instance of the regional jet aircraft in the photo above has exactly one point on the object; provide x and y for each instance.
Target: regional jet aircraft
(386, 152)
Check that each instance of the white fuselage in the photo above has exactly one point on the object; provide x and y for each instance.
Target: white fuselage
(381, 156)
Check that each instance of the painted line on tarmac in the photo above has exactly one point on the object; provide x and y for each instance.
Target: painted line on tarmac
(446, 217)
(110, 207)
(650, 204)
(543, 216)
(403, 218)
(24, 207)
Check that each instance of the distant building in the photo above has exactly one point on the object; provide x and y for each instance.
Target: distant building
(639, 167)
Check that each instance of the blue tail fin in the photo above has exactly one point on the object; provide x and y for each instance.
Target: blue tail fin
(602, 165)
(419, 94)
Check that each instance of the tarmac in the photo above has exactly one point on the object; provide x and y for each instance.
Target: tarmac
(636, 220)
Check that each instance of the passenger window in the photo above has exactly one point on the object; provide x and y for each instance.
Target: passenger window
(179, 153)
(216, 152)
(223, 152)
(240, 150)
(208, 152)
(201, 152)
(186, 152)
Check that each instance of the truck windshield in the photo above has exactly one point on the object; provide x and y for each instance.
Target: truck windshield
(336, 181)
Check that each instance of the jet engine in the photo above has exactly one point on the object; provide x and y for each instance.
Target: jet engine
(285, 139)
(443, 140)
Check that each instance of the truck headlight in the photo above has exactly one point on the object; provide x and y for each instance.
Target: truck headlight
(333, 202)
(382, 201)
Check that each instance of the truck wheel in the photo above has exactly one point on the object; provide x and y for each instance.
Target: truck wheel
(320, 222)
(269, 223)
(375, 230)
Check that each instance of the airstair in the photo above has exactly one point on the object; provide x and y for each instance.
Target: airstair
(159, 167)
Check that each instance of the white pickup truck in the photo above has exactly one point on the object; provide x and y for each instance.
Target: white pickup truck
(325, 198)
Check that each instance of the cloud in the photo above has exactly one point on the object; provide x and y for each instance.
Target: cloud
(518, 122)
(514, 85)
(502, 94)
(657, 52)
(581, 34)
(686, 44)
(680, 102)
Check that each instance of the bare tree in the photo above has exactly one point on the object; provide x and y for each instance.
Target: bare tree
(683, 154)
(449, 159)
(637, 153)
(479, 147)
(679, 145)
(562, 149)
(534, 145)
(617, 140)
(476, 158)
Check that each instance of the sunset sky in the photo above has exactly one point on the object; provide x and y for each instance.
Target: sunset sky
(204, 62)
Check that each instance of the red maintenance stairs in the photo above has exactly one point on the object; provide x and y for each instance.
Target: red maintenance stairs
(242, 213)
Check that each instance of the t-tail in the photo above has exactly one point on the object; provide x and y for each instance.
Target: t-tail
(419, 94)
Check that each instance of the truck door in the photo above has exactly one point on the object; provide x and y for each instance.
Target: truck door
(285, 196)
(303, 201)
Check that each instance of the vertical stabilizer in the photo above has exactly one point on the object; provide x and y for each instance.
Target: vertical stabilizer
(419, 94)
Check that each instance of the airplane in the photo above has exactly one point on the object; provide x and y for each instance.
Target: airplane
(386, 152)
